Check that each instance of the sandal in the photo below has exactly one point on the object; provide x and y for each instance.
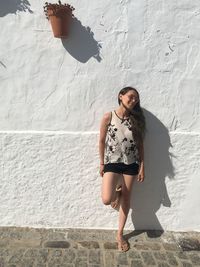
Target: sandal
(123, 245)
(116, 203)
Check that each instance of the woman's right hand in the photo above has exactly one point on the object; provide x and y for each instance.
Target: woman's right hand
(101, 170)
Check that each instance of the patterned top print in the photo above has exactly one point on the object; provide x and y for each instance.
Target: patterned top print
(120, 144)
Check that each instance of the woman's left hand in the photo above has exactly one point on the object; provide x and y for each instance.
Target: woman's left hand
(141, 175)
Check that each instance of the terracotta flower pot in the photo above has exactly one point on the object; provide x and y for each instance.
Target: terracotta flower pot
(60, 15)
(60, 23)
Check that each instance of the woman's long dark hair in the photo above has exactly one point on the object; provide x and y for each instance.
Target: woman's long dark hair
(136, 116)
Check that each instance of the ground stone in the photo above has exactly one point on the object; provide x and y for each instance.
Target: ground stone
(53, 261)
(109, 245)
(153, 246)
(122, 259)
(186, 264)
(2, 262)
(148, 258)
(27, 262)
(89, 250)
(56, 236)
(160, 256)
(170, 246)
(109, 259)
(57, 244)
(4, 243)
(171, 259)
(141, 247)
(94, 257)
(16, 259)
(56, 253)
(182, 255)
(4, 252)
(40, 265)
(82, 253)
(68, 256)
(89, 244)
(80, 263)
(188, 244)
(136, 263)
(163, 264)
(195, 258)
(133, 254)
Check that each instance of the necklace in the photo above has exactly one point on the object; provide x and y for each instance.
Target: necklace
(123, 119)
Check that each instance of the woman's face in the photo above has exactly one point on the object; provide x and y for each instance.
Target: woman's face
(130, 99)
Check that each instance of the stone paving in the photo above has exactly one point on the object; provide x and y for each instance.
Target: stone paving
(34, 247)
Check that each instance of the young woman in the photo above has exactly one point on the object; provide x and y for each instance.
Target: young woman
(122, 155)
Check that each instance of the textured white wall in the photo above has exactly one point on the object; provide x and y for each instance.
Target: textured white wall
(54, 93)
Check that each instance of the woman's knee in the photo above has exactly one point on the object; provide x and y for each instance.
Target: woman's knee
(106, 200)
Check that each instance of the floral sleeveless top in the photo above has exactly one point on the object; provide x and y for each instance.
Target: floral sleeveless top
(120, 144)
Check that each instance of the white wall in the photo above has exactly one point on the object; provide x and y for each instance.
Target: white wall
(54, 93)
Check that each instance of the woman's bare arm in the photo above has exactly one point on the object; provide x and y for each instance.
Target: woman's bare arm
(141, 153)
(141, 170)
(103, 131)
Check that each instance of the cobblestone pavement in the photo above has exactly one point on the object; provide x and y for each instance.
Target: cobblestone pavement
(34, 247)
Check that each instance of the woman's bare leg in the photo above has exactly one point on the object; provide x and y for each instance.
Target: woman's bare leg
(127, 183)
(109, 184)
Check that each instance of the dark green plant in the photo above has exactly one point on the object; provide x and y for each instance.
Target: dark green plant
(58, 9)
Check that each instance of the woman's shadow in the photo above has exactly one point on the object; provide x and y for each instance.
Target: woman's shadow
(12, 6)
(81, 43)
(147, 197)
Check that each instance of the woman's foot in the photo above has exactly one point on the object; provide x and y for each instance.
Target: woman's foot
(123, 244)
(116, 203)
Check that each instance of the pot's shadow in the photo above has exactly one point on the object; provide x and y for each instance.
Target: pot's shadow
(147, 197)
(12, 6)
(81, 43)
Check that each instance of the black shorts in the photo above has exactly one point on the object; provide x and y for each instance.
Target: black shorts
(131, 169)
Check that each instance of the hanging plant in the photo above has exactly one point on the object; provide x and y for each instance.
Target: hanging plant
(60, 15)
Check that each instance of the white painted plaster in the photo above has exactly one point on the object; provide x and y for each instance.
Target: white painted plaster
(54, 93)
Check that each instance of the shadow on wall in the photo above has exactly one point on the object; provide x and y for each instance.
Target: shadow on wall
(2, 64)
(148, 196)
(12, 6)
(81, 43)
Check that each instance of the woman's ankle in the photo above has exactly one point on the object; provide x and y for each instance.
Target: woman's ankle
(119, 233)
